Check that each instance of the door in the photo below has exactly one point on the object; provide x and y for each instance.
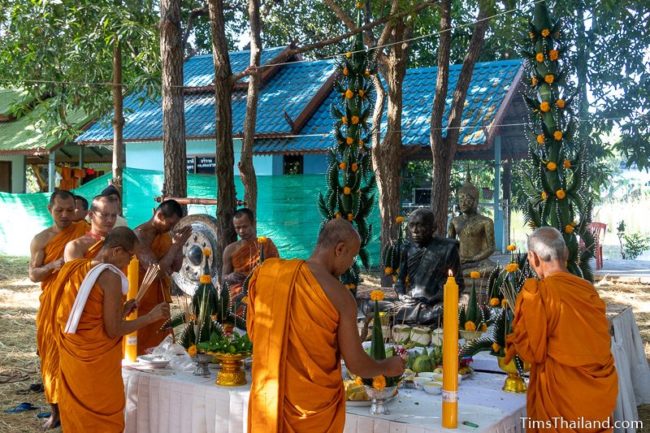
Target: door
(5, 176)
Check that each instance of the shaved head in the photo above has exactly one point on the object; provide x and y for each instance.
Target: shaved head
(336, 231)
(120, 237)
(548, 244)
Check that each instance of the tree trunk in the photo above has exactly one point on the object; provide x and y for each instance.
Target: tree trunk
(246, 167)
(175, 180)
(226, 200)
(444, 149)
(119, 155)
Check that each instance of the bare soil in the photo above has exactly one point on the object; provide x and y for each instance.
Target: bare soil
(19, 366)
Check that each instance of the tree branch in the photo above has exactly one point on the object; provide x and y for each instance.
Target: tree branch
(190, 22)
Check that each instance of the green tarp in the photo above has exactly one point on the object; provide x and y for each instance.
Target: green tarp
(287, 209)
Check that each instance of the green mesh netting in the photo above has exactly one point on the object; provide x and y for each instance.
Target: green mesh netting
(287, 210)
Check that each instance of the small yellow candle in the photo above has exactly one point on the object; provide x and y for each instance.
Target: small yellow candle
(450, 354)
(131, 340)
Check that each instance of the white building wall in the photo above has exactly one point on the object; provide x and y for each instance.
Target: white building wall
(17, 172)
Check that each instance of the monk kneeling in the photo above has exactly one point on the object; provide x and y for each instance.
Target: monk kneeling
(90, 325)
(560, 328)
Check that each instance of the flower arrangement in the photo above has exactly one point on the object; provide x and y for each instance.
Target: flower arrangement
(377, 346)
(471, 318)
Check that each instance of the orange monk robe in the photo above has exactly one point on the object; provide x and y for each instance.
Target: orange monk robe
(248, 256)
(94, 249)
(91, 391)
(72, 273)
(560, 327)
(296, 385)
(151, 335)
(53, 251)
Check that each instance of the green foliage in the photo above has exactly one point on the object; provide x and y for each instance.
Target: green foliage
(558, 171)
(350, 179)
(632, 245)
(230, 344)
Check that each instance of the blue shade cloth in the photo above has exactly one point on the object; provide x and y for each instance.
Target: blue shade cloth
(287, 209)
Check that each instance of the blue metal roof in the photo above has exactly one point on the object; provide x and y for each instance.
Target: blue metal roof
(289, 90)
(198, 71)
(488, 88)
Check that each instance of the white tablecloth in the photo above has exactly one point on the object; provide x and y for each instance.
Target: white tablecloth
(182, 403)
(631, 366)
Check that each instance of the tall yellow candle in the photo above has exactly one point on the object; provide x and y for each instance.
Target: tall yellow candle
(131, 340)
(450, 354)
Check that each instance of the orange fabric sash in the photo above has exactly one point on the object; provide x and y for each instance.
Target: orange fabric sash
(72, 273)
(94, 249)
(296, 384)
(248, 255)
(54, 248)
(560, 327)
(91, 391)
(150, 335)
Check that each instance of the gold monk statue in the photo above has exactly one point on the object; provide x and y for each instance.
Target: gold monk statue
(475, 231)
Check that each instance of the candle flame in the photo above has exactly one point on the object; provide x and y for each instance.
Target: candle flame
(451, 274)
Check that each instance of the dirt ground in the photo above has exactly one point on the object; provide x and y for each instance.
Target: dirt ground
(19, 366)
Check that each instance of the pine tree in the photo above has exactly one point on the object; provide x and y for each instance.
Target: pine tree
(558, 177)
(350, 178)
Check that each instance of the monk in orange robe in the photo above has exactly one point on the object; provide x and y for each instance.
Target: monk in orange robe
(560, 328)
(90, 323)
(301, 320)
(103, 213)
(241, 257)
(46, 261)
(158, 245)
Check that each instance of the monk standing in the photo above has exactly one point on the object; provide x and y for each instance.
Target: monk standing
(241, 257)
(301, 320)
(46, 260)
(103, 213)
(81, 208)
(560, 328)
(158, 245)
(89, 329)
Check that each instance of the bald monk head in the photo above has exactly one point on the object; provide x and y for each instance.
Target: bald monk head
(103, 214)
(337, 247)
(118, 248)
(547, 251)
(61, 207)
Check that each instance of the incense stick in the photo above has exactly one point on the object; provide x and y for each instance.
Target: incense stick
(149, 278)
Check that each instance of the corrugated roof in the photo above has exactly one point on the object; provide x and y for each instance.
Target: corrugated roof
(26, 135)
(289, 91)
(488, 88)
(198, 71)
(9, 97)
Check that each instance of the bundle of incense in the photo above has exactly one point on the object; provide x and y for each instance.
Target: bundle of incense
(149, 277)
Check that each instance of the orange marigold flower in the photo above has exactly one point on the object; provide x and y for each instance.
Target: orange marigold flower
(560, 103)
(337, 215)
(362, 93)
(545, 107)
(539, 57)
(553, 55)
(533, 81)
(359, 5)
(512, 267)
(511, 247)
(388, 270)
(358, 380)
(475, 275)
(354, 167)
(349, 141)
(557, 135)
(347, 190)
(350, 217)
(549, 78)
(495, 347)
(342, 165)
(566, 163)
(207, 252)
(346, 71)
(378, 295)
(560, 194)
(544, 195)
(355, 120)
(379, 382)
(344, 120)
(483, 327)
(192, 350)
(470, 326)
(568, 229)
(540, 139)
(494, 302)
(546, 32)
(551, 166)
(349, 94)
(504, 303)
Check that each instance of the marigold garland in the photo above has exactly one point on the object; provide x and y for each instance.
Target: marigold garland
(557, 135)
(355, 120)
(494, 302)
(551, 166)
(347, 190)
(553, 54)
(349, 94)
(539, 57)
(560, 194)
(545, 107)
(540, 138)
(549, 78)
